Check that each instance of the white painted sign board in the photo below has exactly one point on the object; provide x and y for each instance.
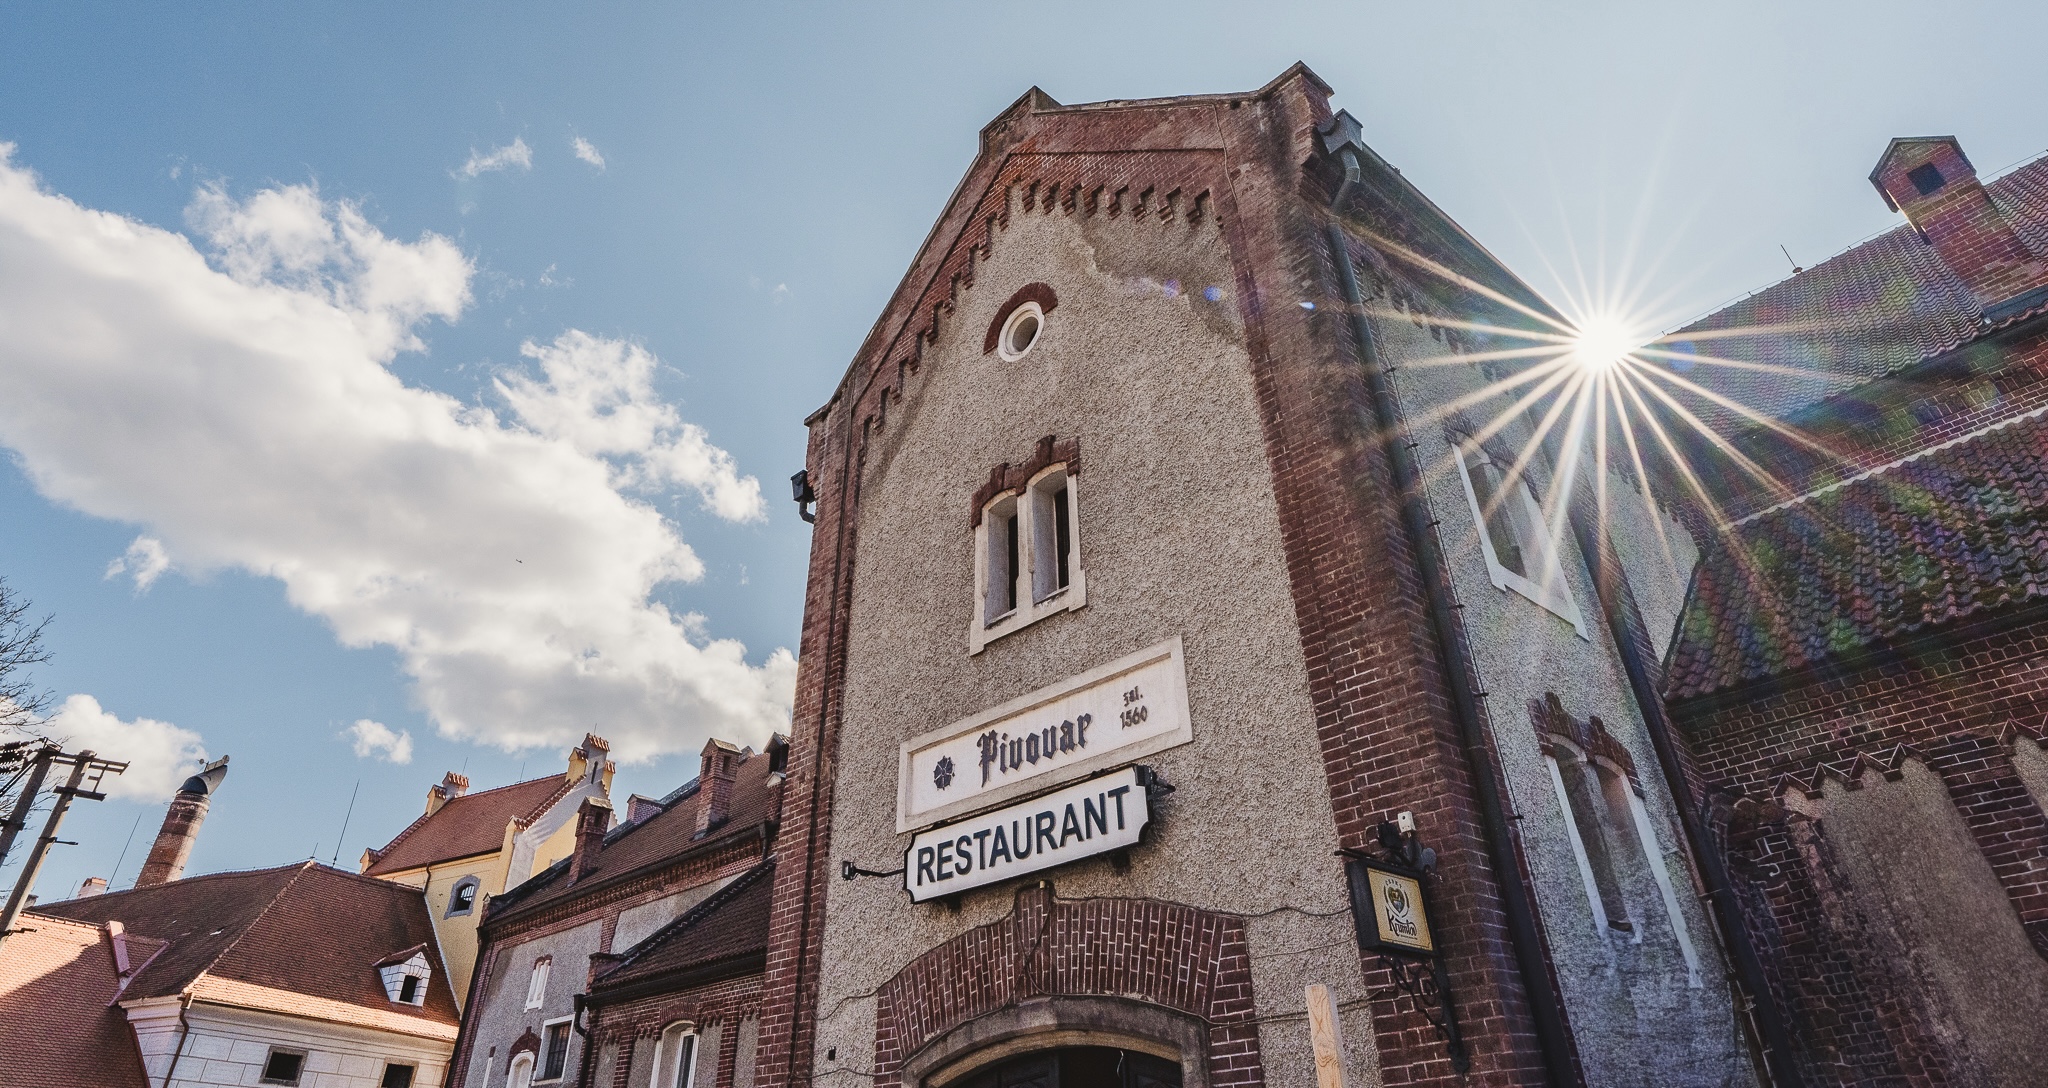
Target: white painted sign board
(1112, 714)
(1082, 820)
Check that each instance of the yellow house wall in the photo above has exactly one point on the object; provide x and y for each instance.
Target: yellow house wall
(457, 935)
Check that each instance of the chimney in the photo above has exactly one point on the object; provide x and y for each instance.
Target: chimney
(592, 821)
(1931, 180)
(94, 885)
(452, 786)
(591, 761)
(719, 766)
(181, 826)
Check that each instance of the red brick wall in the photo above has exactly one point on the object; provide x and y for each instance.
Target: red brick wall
(635, 1025)
(1956, 702)
(1167, 954)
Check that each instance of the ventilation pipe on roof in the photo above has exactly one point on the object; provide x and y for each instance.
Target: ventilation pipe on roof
(1553, 1037)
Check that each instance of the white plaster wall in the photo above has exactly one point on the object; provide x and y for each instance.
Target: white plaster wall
(1180, 536)
(1636, 1015)
(500, 1016)
(1656, 553)
(638, 923)
(228, 1046)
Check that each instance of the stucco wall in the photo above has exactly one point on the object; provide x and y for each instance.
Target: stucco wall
(500, 1016)
(1656, 553)
(637, 923)
(1921, 887)
(1639, 1014)
(1179, 536)
(228, 1046)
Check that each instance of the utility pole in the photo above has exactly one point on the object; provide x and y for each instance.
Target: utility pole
(81, 764)
(18, 819)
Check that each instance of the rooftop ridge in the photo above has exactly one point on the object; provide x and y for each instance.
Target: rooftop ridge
(695, 914)
(1889, 466)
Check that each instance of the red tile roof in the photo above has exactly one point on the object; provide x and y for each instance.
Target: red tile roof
(656, 840)
(1874, 310)
(1958, 534)
(58, 1026)
(306, 930)
(469, 825)
(725, 935)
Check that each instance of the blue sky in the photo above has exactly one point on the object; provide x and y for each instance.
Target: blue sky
(766, 173)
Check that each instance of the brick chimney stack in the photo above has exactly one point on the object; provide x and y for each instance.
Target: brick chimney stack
(715, 773)
(181, 826)
(1932, 182)
(94, 885)
(592, 821)
(452, 786)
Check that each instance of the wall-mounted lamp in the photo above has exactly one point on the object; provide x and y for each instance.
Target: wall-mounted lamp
(800, 490)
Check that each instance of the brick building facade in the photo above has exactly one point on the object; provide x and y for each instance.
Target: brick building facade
(640, 935)
(1165, 436)
(1859, 667)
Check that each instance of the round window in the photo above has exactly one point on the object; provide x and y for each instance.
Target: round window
(1021, 331)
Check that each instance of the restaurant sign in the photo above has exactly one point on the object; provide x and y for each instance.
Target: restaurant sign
(1087, 818)
(1131, 707)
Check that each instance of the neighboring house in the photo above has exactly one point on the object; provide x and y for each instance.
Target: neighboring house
(1861, 666)
(468, 846)
(60, 1026)
(298, 975)
(681, 1009)
(544, 941)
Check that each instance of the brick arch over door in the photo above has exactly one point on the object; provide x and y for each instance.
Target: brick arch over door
(1189, 964)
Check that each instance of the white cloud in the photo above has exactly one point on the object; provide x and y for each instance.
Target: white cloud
(377, 739)
(160, 756)
(516, 153)
(587, 151)
(144, 560)
(243, 414)
(598, 396)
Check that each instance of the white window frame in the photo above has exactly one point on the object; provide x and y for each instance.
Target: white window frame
(512, 1079)
(665, 1048)
(1031, 310)
(1532, 534)
(540, 1056)
(1036, 577)
(537, 982)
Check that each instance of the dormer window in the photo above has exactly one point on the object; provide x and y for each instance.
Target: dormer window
(462, 899)
(405, 976)
(1027, 545)
(1514, 535)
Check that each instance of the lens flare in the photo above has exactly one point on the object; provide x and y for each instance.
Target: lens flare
(1600, 343)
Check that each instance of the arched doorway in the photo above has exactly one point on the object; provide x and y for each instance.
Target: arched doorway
(1076, 1067)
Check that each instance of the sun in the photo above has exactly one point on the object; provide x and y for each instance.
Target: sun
(1600, 343)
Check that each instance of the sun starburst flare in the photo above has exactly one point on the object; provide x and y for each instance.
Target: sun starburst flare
(1604, 394)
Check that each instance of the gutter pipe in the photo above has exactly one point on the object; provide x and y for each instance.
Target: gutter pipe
(1618, 603)
(1553, 1037)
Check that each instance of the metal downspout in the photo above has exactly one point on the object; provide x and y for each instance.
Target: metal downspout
(1552, 1037)
(184, 1032)
(1618, 604)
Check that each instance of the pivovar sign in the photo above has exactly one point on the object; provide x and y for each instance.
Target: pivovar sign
(1082, 820)
(1111, 714)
